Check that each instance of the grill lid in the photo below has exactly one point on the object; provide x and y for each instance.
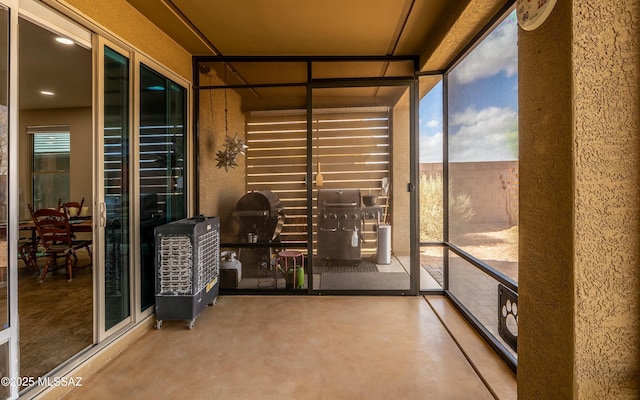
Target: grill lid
(260, 203)
(339, 198)
(260, 213)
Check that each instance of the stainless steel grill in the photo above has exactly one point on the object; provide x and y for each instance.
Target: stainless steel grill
(339, 224)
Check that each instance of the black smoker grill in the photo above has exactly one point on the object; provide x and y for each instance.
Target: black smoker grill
(260, 215)
(260, 218)
(339, 219)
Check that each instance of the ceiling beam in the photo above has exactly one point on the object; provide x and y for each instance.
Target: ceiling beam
(190, 26)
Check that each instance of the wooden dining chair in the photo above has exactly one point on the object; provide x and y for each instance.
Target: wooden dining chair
(74, 216)
(27, 252)
(56, 239)
(69, 206)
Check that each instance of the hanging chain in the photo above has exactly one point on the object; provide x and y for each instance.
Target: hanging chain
(226, 126)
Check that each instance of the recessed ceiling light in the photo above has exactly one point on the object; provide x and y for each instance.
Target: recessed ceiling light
(47, 92)
(64, 40)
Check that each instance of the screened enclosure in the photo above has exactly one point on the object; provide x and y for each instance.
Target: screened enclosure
(328, 142)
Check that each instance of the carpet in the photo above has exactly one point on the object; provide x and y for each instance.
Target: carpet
(364, 281)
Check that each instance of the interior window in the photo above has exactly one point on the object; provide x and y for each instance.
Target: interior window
(50, 167)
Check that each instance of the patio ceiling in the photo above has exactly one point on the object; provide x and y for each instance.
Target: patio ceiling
(435, 31)
(323, 27)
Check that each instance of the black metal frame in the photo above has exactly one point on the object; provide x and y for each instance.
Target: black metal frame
(408, 81)
(502, 351)
(413, 83)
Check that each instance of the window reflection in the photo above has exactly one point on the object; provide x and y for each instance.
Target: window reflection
(116, 158)
(162, 165)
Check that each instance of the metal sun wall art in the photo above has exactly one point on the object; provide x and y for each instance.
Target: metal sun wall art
(233, 147)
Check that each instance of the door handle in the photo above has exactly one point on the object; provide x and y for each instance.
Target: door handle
(103, 214)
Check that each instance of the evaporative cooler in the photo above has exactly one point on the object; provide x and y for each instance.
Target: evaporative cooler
(187, 268)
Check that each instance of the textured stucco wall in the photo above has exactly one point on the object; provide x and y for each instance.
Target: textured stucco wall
(219, 189)
(580, 179)
(606, 56)
(124, 21)
(546, 326)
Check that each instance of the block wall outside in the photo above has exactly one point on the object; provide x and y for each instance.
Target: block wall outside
(482, 183)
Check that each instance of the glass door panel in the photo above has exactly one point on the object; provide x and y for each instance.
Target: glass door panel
(163, 120)
(361, 228)
(4, 166)
(55, 161)
(116, 187)
(9, 340)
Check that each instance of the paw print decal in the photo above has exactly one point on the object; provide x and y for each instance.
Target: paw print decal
(508, 316)
(510, 313)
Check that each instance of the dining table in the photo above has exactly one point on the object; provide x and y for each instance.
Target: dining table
(81, 224)
(29, 225)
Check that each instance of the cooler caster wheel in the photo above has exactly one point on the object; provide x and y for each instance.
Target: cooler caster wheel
(159, 324)
(213, 303)
(191, 323)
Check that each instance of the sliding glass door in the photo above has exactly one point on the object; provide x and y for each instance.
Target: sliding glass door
(116, 188)
(143, 120)
(8, 195)
(162, 137)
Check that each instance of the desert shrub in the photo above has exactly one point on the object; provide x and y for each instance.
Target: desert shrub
(431, 208)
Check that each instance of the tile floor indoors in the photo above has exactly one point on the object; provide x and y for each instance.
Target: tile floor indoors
(299, 347)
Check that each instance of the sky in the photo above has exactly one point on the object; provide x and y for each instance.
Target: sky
(483, 104)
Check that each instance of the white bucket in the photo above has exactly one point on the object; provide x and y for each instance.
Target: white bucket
(384, 244)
